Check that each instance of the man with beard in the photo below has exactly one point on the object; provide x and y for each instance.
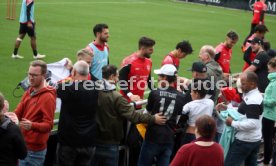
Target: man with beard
(259, 65)
(224, 52)
(134, 77)
(136, 70)
(100, 50)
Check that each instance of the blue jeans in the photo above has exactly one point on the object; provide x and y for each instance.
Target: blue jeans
(149, 150)
(34, 158)
(107, 155)
(242, 151)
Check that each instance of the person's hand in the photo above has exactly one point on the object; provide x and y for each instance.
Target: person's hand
(160, 119)
(221, 107)
(68, 64)
(30, 25)
(226, 76)
(135, 98)
(12, 116)
(228, 121)
(26, 124)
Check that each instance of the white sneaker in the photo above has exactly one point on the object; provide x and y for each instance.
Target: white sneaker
(17, 56)
(38, 56)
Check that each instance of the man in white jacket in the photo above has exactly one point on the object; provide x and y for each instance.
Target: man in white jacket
(248, 136)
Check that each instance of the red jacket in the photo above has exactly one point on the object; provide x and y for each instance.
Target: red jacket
(39, 108)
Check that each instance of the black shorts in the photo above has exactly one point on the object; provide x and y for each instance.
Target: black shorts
(25, 29)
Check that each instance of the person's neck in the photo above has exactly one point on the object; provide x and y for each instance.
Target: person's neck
(225, 44)
(98, 41)
(42, 85)
(80, 78)
(174, 53)
(140, 54)
(201, 76)
(260, 50)
(172, 84)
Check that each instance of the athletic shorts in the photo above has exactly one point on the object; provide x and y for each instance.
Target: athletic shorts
(25, 29)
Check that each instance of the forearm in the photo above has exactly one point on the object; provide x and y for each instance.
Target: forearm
(248, 124)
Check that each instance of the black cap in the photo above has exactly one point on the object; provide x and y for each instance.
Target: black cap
(257, 40)
(199, 67)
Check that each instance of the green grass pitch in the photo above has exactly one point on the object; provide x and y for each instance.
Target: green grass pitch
(65, 26)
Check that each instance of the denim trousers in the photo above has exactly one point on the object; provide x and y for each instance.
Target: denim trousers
(242, 151)
(34, 158)
(71, 156)
(150, 150)
(106, 155)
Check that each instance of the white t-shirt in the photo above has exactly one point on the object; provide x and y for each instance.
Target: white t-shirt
(197, 108)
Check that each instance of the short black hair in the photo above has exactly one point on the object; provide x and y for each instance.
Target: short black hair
(99, 28)
(185, 47)
(170, 79)
(198, 87)
(261, 28)
(146, 42)
(109, 70)
(232, 35)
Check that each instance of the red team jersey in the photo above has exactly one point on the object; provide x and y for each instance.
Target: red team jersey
(140, 69)
(170, 59)
(258, 8)
(224, 58)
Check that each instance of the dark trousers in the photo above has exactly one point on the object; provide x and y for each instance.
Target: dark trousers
(69, 156)
(188, 138)
(267, 129)
(134, 142)
(242, 151)
(106, 155)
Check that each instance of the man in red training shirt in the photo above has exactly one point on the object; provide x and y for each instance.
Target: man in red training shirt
(136, 71)
(224, 52)
(182, 49)
(259, 9)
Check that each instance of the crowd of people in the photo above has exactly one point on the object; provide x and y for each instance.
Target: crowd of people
(198, 121)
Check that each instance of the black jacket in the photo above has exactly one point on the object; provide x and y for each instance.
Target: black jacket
(12, 144)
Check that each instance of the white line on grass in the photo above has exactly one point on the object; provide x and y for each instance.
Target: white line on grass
(84, 3)
(192, 9)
